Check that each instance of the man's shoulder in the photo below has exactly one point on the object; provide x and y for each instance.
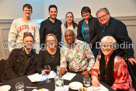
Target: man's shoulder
(45, 21)
(17, 20)
(116, 21)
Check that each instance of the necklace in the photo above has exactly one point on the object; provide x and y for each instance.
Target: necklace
(52, 56)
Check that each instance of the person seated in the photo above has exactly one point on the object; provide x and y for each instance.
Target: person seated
(110, 67)
(76, 56)
(21, 61)
(49, 56)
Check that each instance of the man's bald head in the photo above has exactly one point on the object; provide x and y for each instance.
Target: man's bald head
(69, 36)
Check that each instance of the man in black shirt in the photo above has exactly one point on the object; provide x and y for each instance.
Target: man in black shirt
(51, 25)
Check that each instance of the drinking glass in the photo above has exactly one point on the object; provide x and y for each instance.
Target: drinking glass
(47, 69)
(86, 81)
(59, 83)
(19, 86)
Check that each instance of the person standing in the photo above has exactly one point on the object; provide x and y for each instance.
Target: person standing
(69, 24)
(20, 26)
(88, 29)
(51, 25)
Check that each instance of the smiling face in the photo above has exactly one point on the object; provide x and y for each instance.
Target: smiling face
(86, 15)
(51, 41)
(108, 44)
(28, 42)
(27, 11)
(69, 18)
(107, 49)
(69, 36)
(103, 17)
(53, 13)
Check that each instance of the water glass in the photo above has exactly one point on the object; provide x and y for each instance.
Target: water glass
(86, 81)
(19, 86)
(59, 84)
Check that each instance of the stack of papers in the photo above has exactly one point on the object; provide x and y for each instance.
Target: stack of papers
(68, 76)
(39, 77)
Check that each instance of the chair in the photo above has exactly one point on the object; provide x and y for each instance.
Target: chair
(2, 66)
(132, 72)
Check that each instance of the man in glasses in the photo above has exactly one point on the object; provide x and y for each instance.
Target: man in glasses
(21, 25)
(117, 29)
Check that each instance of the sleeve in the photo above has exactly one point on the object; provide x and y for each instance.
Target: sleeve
(39, 60)
(97, 29)
(122, 35)
(12, 36)
(79, 33)
(42, 33)
(63, 61)
(89, 56)
(121, 75)
(9, 66)
(37, 38)
(95, 69)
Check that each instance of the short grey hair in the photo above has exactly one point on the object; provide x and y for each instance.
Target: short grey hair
(103, 9)
(110, 39)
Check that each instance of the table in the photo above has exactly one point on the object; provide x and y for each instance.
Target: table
(50, 86)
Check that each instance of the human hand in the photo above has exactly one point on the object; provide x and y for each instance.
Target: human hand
(95, 82)
(85, 73)
(43, 72)
(132, 60)
(63, 70)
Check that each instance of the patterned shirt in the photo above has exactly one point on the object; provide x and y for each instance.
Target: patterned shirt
(121, 74)
(78, 55)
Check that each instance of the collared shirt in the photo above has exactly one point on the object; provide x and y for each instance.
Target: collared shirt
(47, 27)
(79, 56)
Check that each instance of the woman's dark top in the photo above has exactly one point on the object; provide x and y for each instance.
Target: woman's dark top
(45, 58)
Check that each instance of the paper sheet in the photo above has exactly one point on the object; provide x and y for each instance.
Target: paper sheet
(68, 76)
(101, 88)
(39, 77)
(51, 75)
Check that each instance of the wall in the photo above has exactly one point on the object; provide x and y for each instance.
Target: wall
(116, 7)
(11, 9)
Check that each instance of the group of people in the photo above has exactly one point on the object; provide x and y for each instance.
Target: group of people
(72, 46)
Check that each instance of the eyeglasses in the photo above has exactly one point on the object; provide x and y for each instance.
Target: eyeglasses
(102, 16)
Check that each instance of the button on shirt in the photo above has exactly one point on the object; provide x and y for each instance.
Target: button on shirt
(79, 56)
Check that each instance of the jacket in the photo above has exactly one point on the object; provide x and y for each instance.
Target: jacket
(93, 28)
(19, 64)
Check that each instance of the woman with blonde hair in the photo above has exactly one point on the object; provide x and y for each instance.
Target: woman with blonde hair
(50, 56)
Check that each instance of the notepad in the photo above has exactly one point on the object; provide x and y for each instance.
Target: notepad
(68, 76)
